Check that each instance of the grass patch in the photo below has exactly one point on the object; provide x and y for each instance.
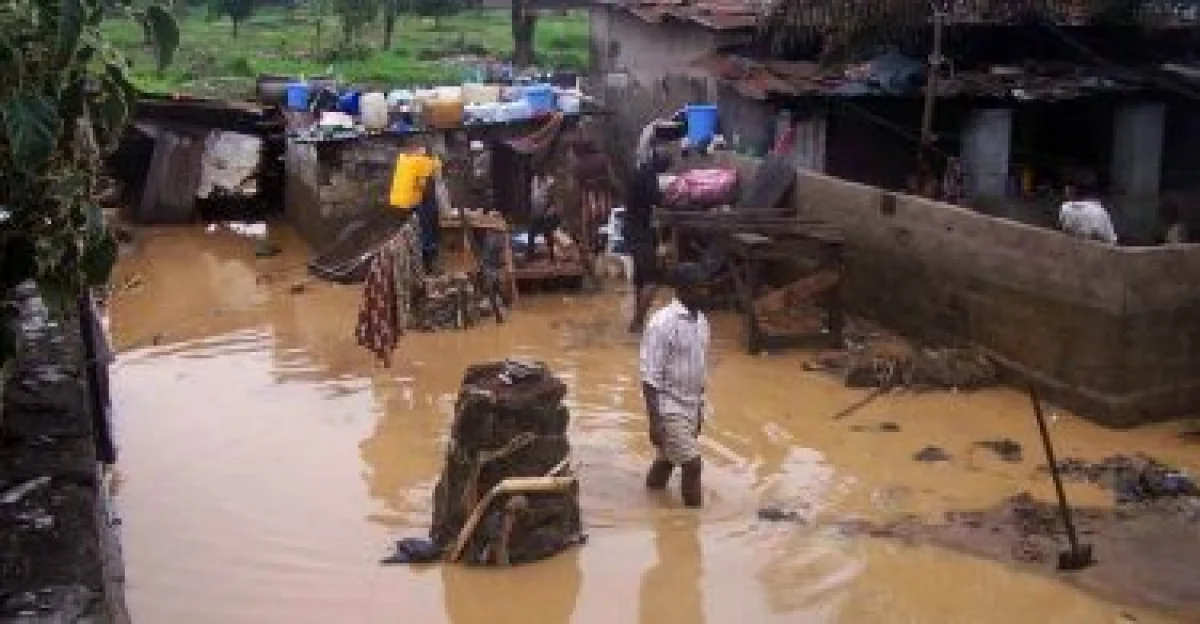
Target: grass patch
(210, 62)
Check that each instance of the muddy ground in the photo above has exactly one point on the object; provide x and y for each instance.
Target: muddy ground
(1145, 546)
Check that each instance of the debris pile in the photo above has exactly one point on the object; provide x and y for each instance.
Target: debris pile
(1132, 478)
(874, 366)
(451, 301)
(506, 495)
(795, 307)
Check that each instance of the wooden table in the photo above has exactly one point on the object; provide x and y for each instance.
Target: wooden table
(750, 242)
(471, 222)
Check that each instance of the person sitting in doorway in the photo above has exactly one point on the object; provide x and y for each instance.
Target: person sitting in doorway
(1082, 215)
(594, 179)
(1175, 231)
(544, 214)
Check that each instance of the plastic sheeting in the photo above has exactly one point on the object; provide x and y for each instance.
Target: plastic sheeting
(231, 161)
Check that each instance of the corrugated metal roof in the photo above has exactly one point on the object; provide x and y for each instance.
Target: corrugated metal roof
(720, 15)
(762, 79)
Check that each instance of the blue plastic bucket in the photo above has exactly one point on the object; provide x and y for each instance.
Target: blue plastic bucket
(540, 98)
(348, 103)
(297, 96)
(701, 123)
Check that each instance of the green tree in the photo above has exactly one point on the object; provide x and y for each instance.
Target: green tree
(436, 9)
(524, 22)
(355, 14)
(391, 9)
(65, 99)
(320, 9)
(237, 11)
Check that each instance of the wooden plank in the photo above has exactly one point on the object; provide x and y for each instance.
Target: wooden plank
(541, 271)
(474, 221)
(798, 292)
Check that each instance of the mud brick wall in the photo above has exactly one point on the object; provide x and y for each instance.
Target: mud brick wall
(1112, 333)
(329, 184)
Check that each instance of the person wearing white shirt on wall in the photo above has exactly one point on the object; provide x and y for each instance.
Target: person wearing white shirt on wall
(1082, 215)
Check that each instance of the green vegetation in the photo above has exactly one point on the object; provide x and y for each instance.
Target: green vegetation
(65, 98)
(210, 62)
(237, 11)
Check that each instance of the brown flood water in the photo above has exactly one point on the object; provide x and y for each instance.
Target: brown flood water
(267, 464)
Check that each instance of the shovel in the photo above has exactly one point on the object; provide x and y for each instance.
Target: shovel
(1079, 556)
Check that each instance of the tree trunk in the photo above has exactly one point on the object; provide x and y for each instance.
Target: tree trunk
(523, 23)
(389, 23)
(236, 23)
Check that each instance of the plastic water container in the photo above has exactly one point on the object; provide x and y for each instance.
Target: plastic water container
(348, 103)
(516, 111)
(480, 93)
(448, 93)
(374, 110)
(399, 97)
(569, 104)
(540, 97)
(701, 122)
(297, 96)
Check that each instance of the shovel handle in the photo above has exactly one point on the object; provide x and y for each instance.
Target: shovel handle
(1063, 507)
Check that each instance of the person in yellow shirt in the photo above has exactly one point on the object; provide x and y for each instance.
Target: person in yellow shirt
(412, 172)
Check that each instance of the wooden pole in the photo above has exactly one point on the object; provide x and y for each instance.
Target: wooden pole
(931, 84)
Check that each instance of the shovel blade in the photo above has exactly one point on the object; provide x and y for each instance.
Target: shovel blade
(1077, 559)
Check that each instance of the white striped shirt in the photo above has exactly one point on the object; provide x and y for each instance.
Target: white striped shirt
(673, 355)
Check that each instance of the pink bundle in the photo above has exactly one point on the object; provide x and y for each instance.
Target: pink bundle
(702, 188)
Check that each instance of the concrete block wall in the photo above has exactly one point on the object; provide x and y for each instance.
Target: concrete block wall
(1112, 333)
(330, 184)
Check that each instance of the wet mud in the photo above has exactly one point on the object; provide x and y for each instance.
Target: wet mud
(1145, 555)
(268, 464)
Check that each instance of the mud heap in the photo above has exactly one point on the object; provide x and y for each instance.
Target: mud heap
(507, 495)
(1132, 478)
(891, 366)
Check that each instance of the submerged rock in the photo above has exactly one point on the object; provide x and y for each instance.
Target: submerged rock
(775, 514)
(932, 454)
(1006, 449)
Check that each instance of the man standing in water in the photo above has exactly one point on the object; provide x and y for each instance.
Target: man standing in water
(673, 368)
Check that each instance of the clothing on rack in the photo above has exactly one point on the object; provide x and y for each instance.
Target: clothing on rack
(378, 316)
(386, 309)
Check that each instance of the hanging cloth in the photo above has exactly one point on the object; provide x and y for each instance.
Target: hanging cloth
(378, 315)
(386, 311)
(539, 144)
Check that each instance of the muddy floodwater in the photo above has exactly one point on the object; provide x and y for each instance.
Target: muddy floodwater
(268, 464)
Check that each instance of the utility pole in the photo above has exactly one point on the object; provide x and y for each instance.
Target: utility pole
(931, 85)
